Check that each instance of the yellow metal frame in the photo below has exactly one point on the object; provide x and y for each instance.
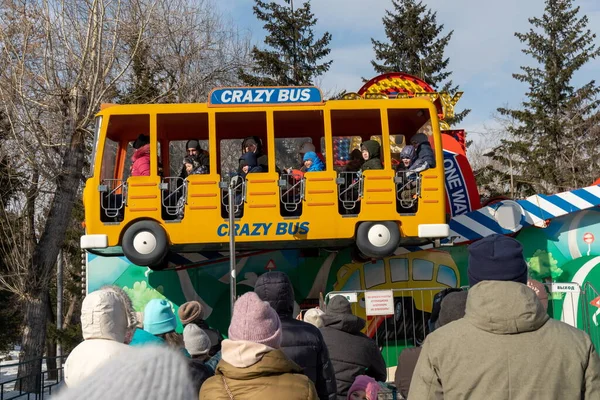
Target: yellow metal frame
(262, 222)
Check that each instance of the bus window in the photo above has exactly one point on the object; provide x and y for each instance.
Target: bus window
(97, 128)
(422, 270)
(353, 283)
(374, 274)
(447, 276)
(232, 128)
(349, 129)
(399, 269)
(292, 130)
(109, 160)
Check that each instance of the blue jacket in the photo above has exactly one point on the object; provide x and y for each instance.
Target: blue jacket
(425, 158)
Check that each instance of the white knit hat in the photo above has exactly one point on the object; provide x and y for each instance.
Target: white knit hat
(313, 317)
(143, 373)
(197, 342)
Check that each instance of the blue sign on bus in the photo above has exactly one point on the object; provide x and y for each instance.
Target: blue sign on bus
(272, 95)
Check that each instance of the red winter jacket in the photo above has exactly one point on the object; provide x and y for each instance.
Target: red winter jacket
(141, 161)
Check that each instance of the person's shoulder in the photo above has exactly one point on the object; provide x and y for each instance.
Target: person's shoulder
(564, 331)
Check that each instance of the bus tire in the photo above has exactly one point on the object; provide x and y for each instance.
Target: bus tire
(377, 239)
(145, 243)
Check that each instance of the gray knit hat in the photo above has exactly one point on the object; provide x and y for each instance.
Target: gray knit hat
(144, 373)
(453, 307)
(197, 342)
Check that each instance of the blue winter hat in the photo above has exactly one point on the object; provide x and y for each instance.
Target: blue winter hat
(496, 258)
(309, 155)
(158, 317)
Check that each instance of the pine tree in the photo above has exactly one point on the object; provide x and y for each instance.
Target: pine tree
(293, 54)
(416, 46)
(555, 141)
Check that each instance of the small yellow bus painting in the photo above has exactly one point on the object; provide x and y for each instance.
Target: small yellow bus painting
(415, 279)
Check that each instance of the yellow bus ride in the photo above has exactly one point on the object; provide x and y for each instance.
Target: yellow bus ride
(144, 217)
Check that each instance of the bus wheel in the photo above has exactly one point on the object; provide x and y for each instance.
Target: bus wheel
(145, 243)
(378, 239)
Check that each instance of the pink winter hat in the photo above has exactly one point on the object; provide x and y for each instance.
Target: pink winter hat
(366, 383)
(255, 321)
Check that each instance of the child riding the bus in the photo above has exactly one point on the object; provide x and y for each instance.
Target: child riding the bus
(312, 162)
(371, 151)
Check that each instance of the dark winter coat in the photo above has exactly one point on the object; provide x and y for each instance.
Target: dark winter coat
(352, 353)
(301, 342)
(406, 366)
(199, 372)
(374, 149)
(356, 161)
(425, 158)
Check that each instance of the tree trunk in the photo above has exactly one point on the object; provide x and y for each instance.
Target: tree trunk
(51, 346)
(46, 250)
(34, 338)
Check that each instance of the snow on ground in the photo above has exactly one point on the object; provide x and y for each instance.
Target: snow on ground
(8, 372)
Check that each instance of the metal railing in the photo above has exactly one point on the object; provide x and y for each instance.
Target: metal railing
(409, 323)
(113, 197)
(291, 191)
(408, 190)
(173, 195)
(350, 189)
(239, 190)
(11, 388)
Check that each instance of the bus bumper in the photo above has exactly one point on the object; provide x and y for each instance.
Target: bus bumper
(434, 230)
(94, 242)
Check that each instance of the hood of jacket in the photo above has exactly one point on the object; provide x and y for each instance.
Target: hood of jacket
(103, 316)
(275, 288)
(372, 147)
(243, 353)
(504, 308)
(272, 362)
(317, 164)
(338, 315)
(143, 151)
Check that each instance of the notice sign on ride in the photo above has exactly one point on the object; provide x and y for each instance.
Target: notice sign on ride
(253, 96)
(564, 287)
(379, 302)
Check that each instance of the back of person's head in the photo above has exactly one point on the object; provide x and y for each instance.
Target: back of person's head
(255, 321)
(104, 316)
(338, 305)
(307, 147)
(197, 342)
(132, 318)
(419, 138)
(190, 312)
(143, 373)
(141, 141)
(313, 317)
(276, 288)
(356, 155)
(453, 307)
(159, 317)
(366, 384)
(496, 258)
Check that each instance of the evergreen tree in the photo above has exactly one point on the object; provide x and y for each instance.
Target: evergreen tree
(555, 141)
(293, 54)
(416, 46)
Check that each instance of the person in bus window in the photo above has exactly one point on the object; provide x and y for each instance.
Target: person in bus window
(141, 157)
(201, 156)
(307, 147)
(424, 156)
(192, 167)
(249, 164)
(253, 144)
(312, 163)
(371, 151)
(356, 161)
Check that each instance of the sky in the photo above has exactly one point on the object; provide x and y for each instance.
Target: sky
(483, 52)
